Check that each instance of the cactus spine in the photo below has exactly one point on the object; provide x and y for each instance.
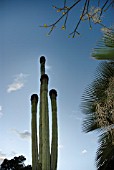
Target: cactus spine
(34, 101)
(45, 160)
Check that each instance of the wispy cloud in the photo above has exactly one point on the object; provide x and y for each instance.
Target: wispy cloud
(2, 156)
(84, 151)
(78, 118)
(0, 108)
(48, 67)
(1, 113)
(22, 135)
(6, 156)
(18, 82)
(75, 115)
(12, 154)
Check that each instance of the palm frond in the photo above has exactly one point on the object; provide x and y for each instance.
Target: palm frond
(105, 152)
(109, 39)
(94, 100)
(105, 47)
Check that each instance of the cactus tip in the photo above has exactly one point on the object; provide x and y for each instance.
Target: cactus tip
(42, 59)
(44, 76)
(53, 91)
(34, 97)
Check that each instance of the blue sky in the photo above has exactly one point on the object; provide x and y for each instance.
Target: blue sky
(70, 69)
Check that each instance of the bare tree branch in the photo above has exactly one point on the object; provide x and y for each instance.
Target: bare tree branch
(92, 14)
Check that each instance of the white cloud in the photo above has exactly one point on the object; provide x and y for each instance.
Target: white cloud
(23, 135)
(18, 82)
(15, 86)
(84, 151)
(1, 111)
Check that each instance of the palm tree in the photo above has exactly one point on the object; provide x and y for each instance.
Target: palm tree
(98, 106)
(105, 47)
(105, 153)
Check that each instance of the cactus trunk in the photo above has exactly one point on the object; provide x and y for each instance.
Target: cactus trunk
(45, 124)
(54, 143)
(34, 101)
(42, 71)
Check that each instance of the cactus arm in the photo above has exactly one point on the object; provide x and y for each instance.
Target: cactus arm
(54, 143)
(40, 128)
(34, 101)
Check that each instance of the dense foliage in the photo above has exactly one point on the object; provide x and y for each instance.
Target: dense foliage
(98, 106)
(16, 163)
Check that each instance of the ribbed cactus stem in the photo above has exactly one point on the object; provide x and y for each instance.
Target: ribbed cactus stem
(42, 71)
(40, 128)
(34, 102)
(54, 143)
(45, 124)
(42, 62)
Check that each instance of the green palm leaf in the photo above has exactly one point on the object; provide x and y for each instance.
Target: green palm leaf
(105, 47)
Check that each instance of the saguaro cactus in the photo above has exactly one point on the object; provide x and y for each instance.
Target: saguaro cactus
(45, 160)
(34, 101)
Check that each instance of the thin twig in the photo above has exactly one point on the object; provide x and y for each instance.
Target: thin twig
(109, 5)
(63, 15)
(75, 30)
(103, 7)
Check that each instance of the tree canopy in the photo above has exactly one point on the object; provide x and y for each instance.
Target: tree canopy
(16, 163)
